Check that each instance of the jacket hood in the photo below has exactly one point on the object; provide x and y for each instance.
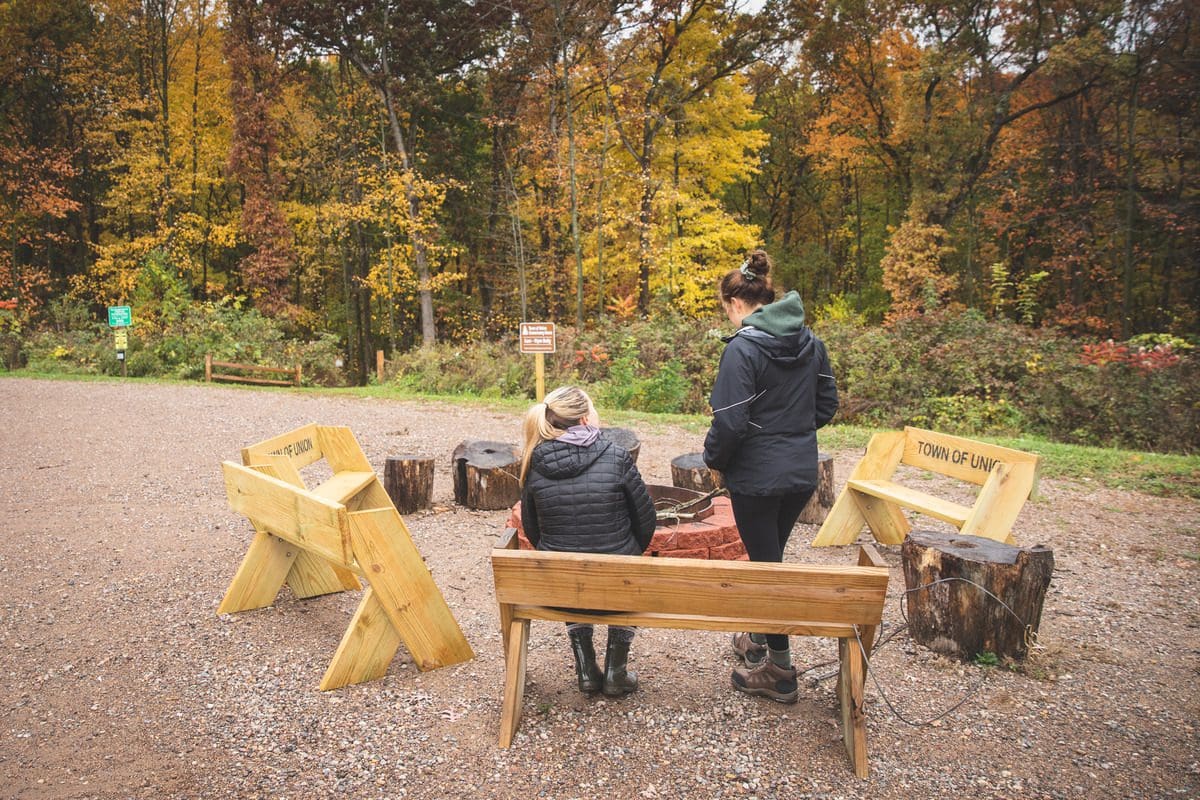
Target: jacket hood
(782, 318)
(778, 330)
(557, 459)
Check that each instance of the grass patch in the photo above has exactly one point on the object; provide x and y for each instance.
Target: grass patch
(1165, 475)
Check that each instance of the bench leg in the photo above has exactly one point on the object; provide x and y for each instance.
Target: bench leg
(517, 643)
(404, 586)
(312, 576)
(885, 519)
(851, 696)
(845, 520)
(843, 523)
(1000, 501)
(261, 575)
(367, 647)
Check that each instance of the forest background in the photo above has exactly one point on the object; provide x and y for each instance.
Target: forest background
(990, 210)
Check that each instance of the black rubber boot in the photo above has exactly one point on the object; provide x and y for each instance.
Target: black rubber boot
(586, 669)
(618, 680)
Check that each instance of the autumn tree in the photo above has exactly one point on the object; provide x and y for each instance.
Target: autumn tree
(401, 50)
(652, 76)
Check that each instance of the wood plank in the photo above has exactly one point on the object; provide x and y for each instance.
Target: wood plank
(868, 556)
(851, 696)
(843, 524)
(957, 457)
(310, 575)
(342, 450)
(217, 376)
(885, 519)
(397, 572)
(1000, 501)
(688, 622)
(301, 446)
(313, 576)
(343, 485)
(261, 574)
(517, 645)
(927, 504)
(845, 520)
(289, 513)
(254, 367)
(883, 455)
(367, 648)
(832, 594)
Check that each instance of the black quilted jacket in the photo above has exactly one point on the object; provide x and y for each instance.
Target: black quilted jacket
(586, 500)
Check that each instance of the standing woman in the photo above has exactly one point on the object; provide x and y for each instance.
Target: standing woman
(774, 388)
(582, 493)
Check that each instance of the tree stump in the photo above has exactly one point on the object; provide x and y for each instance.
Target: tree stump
(689, 471)
(822, 500)
(486, 475)
(408, 480)
(624, 437)
(959, 619)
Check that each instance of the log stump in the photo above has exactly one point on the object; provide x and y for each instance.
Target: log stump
(486, 475)
(408, 480)
(957, 618)
(689, 471)
(822, 500)
(624, 437)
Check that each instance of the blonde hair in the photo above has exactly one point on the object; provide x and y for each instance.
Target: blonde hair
(549, 419)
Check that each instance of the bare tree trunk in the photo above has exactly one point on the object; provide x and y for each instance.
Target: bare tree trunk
(568, 109)
(425, 293)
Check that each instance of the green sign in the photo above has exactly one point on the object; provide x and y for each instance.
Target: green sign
(119, 316)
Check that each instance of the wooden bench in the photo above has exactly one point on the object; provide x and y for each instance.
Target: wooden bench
(249, 373)
(691, 594)
(326, 539)
(1006, 479)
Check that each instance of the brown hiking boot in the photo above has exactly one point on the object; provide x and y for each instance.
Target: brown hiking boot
(768, 679)
(748, 650)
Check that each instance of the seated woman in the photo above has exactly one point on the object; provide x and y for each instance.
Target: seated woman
(582, 493)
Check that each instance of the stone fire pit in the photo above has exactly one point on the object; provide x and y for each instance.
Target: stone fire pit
(710, 532)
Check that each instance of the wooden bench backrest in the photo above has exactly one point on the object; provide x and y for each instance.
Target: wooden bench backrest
(691, 587)
(307, 445)
(956, 457)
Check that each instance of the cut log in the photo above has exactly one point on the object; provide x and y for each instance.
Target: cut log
(486, 475)
(950, 612)
(822, 500)
(409, 482)
(689, 471)
(624, 437)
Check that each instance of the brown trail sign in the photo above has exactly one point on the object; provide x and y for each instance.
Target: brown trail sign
(328, 538)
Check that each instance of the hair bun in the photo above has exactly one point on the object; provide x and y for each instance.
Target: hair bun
(759, 263)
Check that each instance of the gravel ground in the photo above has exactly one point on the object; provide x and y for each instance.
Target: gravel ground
(121, 681)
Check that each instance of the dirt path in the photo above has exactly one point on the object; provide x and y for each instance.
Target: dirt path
(120, 680)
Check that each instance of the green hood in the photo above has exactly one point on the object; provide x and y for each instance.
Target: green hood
(784, 317)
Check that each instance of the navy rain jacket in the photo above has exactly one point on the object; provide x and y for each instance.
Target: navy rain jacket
(774, 388)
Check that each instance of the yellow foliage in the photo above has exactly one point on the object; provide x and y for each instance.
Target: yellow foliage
(912, 269)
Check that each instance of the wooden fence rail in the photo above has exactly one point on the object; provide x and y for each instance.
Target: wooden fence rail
(249, 373)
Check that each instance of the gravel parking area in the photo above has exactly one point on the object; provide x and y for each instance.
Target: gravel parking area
(121, 681)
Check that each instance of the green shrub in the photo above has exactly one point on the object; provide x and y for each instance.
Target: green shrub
(957, 371)
(173, 345)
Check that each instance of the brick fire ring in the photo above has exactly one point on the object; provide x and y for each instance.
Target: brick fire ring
(713, 537)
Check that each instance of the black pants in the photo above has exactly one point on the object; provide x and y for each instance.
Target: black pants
(765, 523)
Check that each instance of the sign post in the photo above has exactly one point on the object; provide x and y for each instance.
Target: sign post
(120, 318)
(538, 338)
